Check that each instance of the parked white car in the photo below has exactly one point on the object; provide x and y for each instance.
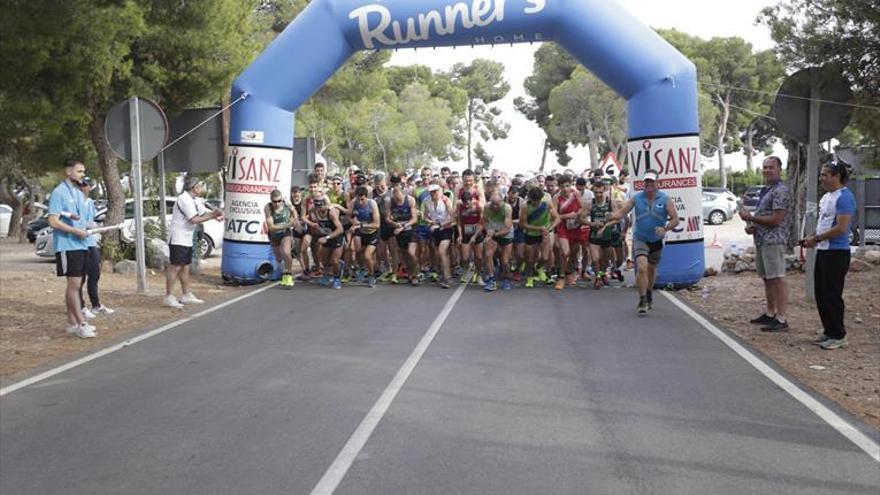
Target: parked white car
(213, 238)
(5, 217)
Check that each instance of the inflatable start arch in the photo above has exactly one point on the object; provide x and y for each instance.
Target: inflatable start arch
(657, 81)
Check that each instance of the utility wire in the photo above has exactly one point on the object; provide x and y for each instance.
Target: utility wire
(212, 117)
(830, 102)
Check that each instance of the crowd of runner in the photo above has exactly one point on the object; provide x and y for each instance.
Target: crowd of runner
(445, 228)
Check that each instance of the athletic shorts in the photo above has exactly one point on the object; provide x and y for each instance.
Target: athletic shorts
(423, 233)
(386, 232)
(369, 239)
(71, 263)
(277, 239)
(441, 235)
(652, 250)
(770, 261)
(299, 235)
(180, 255)
(503, 241)
(602, 243)
(572, 235)
(405, 238)
(534, 240)
(519, 236)
(334, 243)
(480, 237)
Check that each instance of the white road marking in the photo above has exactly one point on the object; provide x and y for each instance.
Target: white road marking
(108, 350)
(336, 472)
(845, 428)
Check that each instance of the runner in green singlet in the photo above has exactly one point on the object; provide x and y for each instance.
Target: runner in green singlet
(538, 218)
(498, 224)
(280, 218)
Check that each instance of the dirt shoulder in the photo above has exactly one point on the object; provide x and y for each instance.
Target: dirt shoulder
(849, 376)
(32, 335)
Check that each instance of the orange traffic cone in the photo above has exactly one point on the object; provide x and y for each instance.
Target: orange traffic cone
(715, 242)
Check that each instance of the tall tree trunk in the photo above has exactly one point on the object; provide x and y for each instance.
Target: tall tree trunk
(544, 154)
(109, 166)
(7, 195)
(722, 134)
(750, 149)
(796, 181)
(470, 134)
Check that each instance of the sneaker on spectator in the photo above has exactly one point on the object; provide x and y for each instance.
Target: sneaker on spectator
(87, 313)
(190, 298)
(834, 344)
(821, 340)
(172, 302)
(103, 310)
(85, 331)
(71, 328)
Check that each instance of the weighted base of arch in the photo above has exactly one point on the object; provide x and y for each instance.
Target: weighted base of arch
(682, 265)
(248, 263)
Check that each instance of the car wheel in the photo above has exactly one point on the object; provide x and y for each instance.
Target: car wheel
(206, 247)
(853, 238)
(717, 217)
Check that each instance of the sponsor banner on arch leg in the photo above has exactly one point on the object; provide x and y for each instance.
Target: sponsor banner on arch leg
(677, 161)
(252, 173)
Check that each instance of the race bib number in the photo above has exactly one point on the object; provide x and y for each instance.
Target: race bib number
(470, 228)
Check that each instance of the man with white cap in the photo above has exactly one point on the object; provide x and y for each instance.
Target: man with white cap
(655, 216)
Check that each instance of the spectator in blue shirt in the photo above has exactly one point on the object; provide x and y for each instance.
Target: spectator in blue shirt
(67, 217)
(93, 265)
(831, 240)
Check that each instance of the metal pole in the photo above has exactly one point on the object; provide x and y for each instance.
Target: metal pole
(812, 211)
(163, 220)
(862, 202)
(137, 175)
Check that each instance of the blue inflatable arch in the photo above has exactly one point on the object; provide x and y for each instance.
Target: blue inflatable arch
(657, 81)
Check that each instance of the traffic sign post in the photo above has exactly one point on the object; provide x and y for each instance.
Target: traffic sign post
(136, 130)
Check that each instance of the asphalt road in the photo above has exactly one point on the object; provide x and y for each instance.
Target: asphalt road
(524, 392)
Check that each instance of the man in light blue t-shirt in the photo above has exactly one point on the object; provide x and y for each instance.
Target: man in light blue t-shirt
(67, 217)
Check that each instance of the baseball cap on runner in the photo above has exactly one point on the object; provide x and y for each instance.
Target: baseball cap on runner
(651, 175)
(433, 187)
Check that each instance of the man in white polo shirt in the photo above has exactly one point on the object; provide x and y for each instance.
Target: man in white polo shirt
(188, 212)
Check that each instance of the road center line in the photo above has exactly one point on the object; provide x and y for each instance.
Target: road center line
(832, 418)
(336, 472)
(113, 348)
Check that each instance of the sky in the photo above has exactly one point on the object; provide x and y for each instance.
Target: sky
(521, 151)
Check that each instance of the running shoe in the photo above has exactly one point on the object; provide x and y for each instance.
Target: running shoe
(764, 319)
(434, 276)
(517, 276)
(190, 298)
(530, 282)
(414, 281)
(444, 283)
(371, 282)
(103, 310)
(386, 276)
(172, 302)
(304, 276)
(85, 331)
(619, 275)
(643, 308)
(489, 285)
(325, 280)
(597, 283)
(505, 285)
(337, 283)
(394, 280)
(560, 284)
(831, 344)
(821, 340)
(542, 275)
(476, 277)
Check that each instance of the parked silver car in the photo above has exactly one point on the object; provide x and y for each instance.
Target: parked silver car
(718, 207)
